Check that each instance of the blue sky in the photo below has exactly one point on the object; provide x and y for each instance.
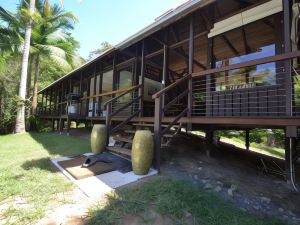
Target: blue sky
(108, 20)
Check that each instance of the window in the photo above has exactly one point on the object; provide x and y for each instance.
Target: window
(253, 41)
(107, 81)
(125, 80)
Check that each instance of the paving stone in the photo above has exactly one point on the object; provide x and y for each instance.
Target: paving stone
(265, 200)
(281, 210)
(208, 186)
(218, 189)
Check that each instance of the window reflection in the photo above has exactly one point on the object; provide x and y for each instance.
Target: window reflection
(246, 44)
(107, 81)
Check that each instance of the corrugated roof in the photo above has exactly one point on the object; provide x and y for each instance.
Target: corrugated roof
(162, 21)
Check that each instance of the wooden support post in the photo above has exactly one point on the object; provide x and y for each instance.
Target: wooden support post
(95, 92)
(100, 89)
(70, 86)
(57, 125)
(287, 49)
(80, 94)
(88, 84)
(208, 77)
(247, 139)
(53, 125)
(55, 102)
(209, 136)
(61, 98)
(157, 132)
(142, 79)
(190, 69)
(42, 105)
(61, 125)
(68, 125)
(50, 101)
(108, 121)
(136, 65)
(70, 92)
(46, 102)
(165, 71)
(290, 147)
(115, 81)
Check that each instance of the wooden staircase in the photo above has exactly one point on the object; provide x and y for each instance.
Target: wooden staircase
(162, 132)
(123, 141)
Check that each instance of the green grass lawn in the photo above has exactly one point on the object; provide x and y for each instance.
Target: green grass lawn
(28, 178)
(174, 199)
(27, 175)
(260, 148)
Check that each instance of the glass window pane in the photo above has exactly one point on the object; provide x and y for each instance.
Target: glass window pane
(125, 80)
(253, 41)
(107, 81)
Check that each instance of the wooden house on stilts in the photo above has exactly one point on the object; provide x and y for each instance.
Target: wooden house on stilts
(205, 65)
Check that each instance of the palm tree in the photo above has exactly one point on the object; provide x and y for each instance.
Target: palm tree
(50, 38)
(20, 120)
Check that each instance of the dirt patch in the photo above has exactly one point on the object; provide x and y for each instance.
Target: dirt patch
(73, 211)
(148, 217)
(234, 175)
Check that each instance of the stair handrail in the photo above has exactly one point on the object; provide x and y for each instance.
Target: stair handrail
(171, 86)
(123, 91)
(110, 114)
(161, 108)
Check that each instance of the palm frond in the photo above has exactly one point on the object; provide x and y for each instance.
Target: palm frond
(8, 17)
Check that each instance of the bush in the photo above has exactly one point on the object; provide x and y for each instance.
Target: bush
(38, 125)
(8, 112)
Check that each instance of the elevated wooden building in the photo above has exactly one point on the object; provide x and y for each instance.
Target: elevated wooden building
(207, 64)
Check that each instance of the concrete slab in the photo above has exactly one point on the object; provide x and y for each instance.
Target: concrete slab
(97, 186)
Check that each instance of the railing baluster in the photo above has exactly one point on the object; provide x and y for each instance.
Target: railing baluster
(157, 130)
(109, 108)
(108, 120)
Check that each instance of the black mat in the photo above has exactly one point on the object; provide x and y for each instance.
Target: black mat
(120, 164)
(74, 167)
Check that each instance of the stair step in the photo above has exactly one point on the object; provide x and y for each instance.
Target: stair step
(152, 125)
(133, 132)
(123, 151)
(122, 139)
(168, 135)
(129, 131)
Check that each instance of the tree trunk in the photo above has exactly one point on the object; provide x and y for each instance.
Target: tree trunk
(20, 120)
(28, 92)
(31, 59)
(35, 84)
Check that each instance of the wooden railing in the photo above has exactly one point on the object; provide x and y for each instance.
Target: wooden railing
(111, 93)
(57, 109)
(161, 108)
(248, 98)
(111, 112)
(282, 94)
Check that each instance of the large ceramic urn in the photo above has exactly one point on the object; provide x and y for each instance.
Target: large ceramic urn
(142, 152)
(98, 138)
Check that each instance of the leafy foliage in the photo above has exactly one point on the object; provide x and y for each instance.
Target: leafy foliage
(267, 137)
(9, 71)
(104, 47)
(53, 52)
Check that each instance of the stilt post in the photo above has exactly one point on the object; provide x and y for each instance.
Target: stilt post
(247, 139)
(290, 146)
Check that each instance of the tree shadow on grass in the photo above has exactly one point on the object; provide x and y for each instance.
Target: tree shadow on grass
(42, 163)
(62, 145)
(163, 199)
